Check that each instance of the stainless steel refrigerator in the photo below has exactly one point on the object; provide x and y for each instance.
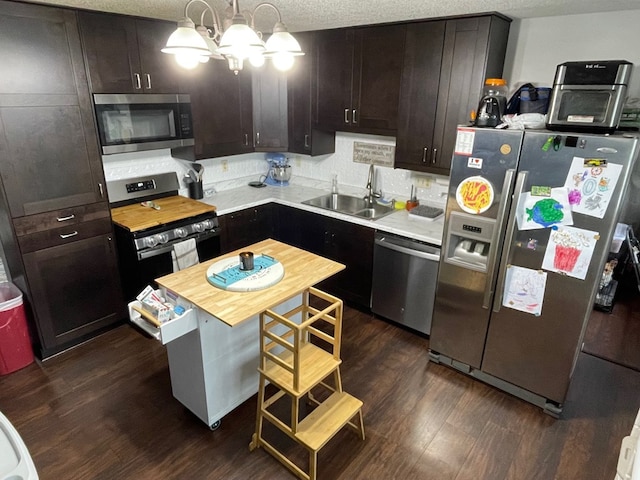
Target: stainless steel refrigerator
(529, 221)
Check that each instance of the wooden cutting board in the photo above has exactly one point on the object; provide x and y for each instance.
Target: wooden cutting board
(137, 217)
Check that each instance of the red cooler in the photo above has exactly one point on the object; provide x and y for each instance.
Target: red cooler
(15, 344)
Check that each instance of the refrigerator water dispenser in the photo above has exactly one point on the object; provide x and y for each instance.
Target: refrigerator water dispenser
(468, 241)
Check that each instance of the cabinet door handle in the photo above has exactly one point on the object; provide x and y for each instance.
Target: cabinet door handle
(257, 138)
(353, 117)
(138, 81)
(101, 190)
(424, 155)
(306, 141)
(246, 139)
(435, 156)
(346, 115)
(148, 81)
(64, 219)
(68, 235)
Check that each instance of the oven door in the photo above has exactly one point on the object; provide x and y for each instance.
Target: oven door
(131, 123)
(586, 107)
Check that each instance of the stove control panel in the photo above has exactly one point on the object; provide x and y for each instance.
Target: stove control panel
(141, 186)
(176, 234)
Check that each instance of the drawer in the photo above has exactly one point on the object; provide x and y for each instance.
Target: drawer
(168, 331)
(64, 235)
(60, 218)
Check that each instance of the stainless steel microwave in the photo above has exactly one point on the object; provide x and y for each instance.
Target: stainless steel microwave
(136, 122)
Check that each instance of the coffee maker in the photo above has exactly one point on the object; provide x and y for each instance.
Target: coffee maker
(493, 103)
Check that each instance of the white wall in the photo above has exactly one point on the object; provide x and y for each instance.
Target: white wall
(537, 45)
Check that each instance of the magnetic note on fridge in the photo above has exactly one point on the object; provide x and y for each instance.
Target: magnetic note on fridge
(524, 289)
(544, 212)
(591, 186)
(569, 251)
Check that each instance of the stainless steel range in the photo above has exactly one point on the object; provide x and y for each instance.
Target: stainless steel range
(150, 218)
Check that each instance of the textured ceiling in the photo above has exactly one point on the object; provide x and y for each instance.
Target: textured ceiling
(300, 15)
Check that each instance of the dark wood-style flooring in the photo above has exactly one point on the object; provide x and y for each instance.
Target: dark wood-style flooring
(104, 410)
(615, 336)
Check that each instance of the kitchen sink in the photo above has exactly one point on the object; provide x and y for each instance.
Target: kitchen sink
(349, 205)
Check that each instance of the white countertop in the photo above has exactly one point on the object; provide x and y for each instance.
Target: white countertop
(398, 222)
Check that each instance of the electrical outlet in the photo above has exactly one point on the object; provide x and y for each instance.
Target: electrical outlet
(422, 182)
(225, 165)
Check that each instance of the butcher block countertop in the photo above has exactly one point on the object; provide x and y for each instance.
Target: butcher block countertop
(302, 270)
(137, 217)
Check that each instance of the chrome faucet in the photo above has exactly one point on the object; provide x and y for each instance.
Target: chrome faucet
(371, 193)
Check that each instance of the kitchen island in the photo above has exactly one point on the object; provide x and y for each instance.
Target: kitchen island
(213, 347)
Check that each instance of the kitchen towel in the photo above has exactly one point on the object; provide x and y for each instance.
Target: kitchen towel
(184, 255)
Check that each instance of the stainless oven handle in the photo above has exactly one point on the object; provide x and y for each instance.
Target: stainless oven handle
(169, 247)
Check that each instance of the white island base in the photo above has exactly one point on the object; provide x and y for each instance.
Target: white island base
(213, 367)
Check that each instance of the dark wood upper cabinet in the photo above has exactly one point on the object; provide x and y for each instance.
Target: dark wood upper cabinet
(419, 93)
(49, 156)
(334, 50)
(358, 78)
(445, 65)
(123, 54)
(269, 109)
(302, 104)
(221, 107)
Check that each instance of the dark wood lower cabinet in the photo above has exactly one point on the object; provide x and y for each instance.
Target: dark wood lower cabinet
(245, 227)
(74, 291)
(338, 240)
(351, 245)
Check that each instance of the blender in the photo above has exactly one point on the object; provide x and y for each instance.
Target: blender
(279, 170)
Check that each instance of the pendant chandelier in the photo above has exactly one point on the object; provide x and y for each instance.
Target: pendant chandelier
(235, 40)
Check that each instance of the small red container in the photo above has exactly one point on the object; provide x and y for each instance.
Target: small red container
(15, 344)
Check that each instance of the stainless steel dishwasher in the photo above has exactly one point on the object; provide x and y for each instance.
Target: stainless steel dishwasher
(404, 281)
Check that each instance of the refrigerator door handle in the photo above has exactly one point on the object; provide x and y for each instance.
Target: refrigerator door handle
(497, 234)
(508, 240)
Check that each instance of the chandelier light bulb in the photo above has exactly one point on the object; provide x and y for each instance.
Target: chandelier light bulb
(188, 60)
(256, 61)
(283, 61)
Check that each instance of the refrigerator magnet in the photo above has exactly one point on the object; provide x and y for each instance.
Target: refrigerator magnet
(464, 141)
(475, 195)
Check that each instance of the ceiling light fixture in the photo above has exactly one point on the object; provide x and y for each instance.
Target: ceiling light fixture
(235, 41)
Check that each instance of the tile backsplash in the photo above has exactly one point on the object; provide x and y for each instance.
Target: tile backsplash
(230, 172)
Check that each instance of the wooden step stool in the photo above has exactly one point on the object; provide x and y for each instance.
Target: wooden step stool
(294, 365)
